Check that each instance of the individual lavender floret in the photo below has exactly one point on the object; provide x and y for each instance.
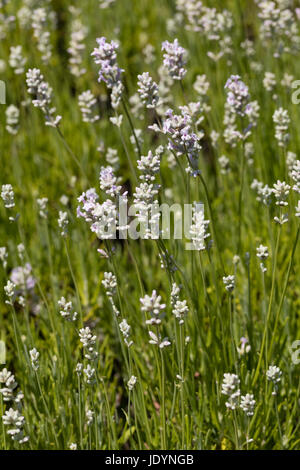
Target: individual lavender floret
(89, 417)
(153, 306)
(174, 59)
(229, 282)
(279, 24)
(290, 160)
(112, 158)
(106, 3)
(264, 192)
(149, 165)
(34, 78)
(182, 140)
(108, 181)
(39, 25)
(224, 163)
(76, 48)
(248, 47)
(295, 175)
(3, 256)
(145, 206)
(282, 219)
(244, 346)
(274, 375)
(131, 382)
(179, 307)
(158, 341)
(269, 81)
(105, 55)
(110, 285)
(253, 111)
(237, 95)
(201, 85)
(42, 94)
(66, 310)
(12, 119)
(16, 421)
(63, 222)
(116, 97)
(16, 60)
(7, 195)
(79, 368)
(230, 383)
(88, 341)
(281, 191)
(117, 120)
(43, 207)
(88, 201)
(248, 404)
(148, 90)
(262, 253)
(282, 120)
(198, 230)
(194, 110)
(214, 136)
(34, 356)
(230, 388)
(149, 54)
(146, 192)
(10, 290)
(87, 104)
(24, 15)
(90, 374)
(249, 152)
(105, 221)
(213, 24)
(125, 330)
(287, 81)
(10, 384)
(22, 278)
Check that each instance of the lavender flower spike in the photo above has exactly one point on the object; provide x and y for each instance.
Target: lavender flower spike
(174, 59)
(105, 55)
(237, 95)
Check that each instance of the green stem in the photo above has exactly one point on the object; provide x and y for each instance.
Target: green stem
(269, 309)
(284, 292)
(75, 283)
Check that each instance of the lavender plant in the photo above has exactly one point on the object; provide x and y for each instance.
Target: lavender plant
(119, 330)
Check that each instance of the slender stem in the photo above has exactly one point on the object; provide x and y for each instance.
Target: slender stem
(284, 291)
(75, 282)
(182, 391)
(163, 405)
(3, 427)
(46, 409)
(70, 151)
(237, 444)
(240, 207)
(131, 254)
(212, 220)
(132, 127)
(79, 413)
(278, 422)
(269, 309)
(16, 332)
